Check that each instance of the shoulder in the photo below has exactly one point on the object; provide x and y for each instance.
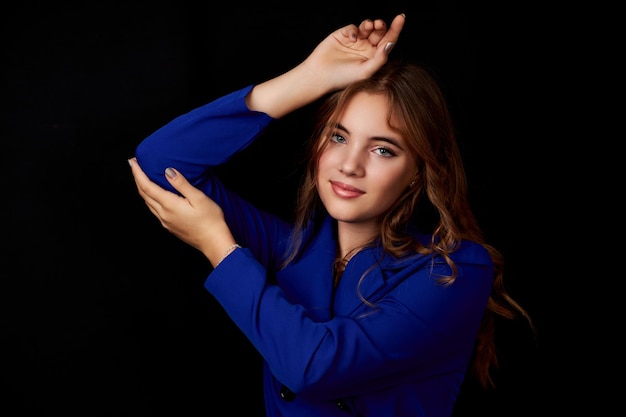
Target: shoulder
(467, 251)
(470, 252)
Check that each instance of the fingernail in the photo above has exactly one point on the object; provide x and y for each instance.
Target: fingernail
(130, 162)
(389, 46)
(170, 173)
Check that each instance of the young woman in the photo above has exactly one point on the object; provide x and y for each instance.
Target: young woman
(374, 301)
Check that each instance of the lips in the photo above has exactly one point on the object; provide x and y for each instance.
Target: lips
(345, 190)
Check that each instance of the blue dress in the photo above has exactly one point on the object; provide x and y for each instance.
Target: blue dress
(326, 353)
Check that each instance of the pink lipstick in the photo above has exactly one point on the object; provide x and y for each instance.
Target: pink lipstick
(345, 190)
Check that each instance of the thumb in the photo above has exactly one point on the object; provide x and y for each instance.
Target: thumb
(179, 182)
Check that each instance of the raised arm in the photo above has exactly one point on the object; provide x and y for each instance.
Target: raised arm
(348, 54)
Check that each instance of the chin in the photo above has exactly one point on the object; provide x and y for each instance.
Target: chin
(345, 217)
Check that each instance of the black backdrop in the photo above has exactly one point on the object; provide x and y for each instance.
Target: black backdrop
(103, 312)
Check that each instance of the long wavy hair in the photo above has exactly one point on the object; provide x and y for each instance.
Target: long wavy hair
(437, 202)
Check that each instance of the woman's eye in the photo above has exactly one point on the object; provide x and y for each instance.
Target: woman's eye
(385, 152)
(337, 138)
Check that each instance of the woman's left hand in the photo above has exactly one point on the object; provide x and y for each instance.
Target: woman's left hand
(192, 216)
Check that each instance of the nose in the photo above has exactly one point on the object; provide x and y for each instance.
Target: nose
(351, 163)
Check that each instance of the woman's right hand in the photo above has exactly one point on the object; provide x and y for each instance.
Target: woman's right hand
(348, 54)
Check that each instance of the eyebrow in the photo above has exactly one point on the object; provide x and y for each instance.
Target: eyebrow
(375, 138)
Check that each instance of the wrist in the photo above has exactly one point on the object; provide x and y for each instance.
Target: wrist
(288, 92)
(227, 252)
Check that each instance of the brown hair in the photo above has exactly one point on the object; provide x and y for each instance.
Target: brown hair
(438, 200)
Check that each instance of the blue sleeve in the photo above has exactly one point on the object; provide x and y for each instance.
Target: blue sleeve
(419, 329)
(204, 137)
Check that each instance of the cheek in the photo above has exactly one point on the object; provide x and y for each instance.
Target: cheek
(393, 184)
(323, 164)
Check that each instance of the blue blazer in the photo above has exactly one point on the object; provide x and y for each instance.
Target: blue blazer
(326, 352)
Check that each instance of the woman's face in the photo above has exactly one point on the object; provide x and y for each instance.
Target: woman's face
(366, 166)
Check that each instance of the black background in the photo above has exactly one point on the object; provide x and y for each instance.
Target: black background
(103, 312)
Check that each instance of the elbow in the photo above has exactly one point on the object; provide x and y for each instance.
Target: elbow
(152, 165)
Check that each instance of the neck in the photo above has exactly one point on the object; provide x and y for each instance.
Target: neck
(353, 236)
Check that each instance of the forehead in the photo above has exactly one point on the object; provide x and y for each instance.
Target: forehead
(369, 113)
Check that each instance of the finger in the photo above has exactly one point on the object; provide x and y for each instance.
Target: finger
(384, 46)
(365, 28)
(393, 33)
(145, 184)
(155, 211)
(350, 31)
(152, 193)
(184, 187)
(377, 32)
(142, 182)
(387, 42)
